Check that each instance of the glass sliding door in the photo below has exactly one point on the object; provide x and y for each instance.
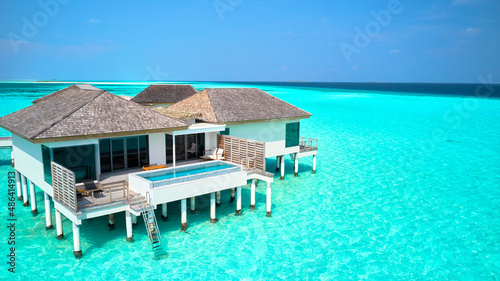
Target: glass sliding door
(118, 150)
(143, 150)
(132, 152)
(123, 153)
(105, 155)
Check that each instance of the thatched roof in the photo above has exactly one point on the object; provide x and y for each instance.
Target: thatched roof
(73, 87)
(238, 105)
(84, 112)
(160, 93)
(178, 114)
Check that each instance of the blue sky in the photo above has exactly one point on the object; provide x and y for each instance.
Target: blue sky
(257, 40)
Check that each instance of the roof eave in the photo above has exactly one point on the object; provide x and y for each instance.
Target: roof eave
(108, 135)
(265, 120)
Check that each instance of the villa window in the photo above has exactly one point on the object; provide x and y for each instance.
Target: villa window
(123, 153)
(79, 159)
(292, 134)
(47, 169)
(225, 132)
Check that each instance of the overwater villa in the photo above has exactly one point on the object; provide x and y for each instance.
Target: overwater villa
(95, 154)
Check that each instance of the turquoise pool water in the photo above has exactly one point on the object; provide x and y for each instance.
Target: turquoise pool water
(182, 172)
(407, 187)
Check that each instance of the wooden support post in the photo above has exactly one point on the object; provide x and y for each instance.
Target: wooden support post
(164, 215)
(218, 195)
(252, 194)
(296, 167)
(278, 160)
(282, 167)
(268, 199)
(34, 210)
(18, 186)
(213, 218)
(183, 215)
(59, 227)
(128, 224)
(238, 201)
(232, 195)
(76, 241)
(48, 213)
(111, 223)
(314, 163)
(193, 205)
(25, 191)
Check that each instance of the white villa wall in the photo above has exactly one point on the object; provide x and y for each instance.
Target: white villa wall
(157, 150)
(210, 140)
(28, 161)
(272, 133)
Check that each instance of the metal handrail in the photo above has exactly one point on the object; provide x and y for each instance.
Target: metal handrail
(308, 143)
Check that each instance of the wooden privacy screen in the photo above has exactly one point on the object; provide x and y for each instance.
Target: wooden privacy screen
(63, 182)
(238, 149)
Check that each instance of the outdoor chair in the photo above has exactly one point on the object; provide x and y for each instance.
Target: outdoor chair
(90, 185)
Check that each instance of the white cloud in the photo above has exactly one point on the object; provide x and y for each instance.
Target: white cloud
(394, 51)
(94, 20)
(471, 31)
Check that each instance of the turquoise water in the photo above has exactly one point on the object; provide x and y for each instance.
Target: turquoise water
(170, 174)
(407, 187)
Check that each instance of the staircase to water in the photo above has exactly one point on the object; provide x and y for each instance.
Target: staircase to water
(151, 225)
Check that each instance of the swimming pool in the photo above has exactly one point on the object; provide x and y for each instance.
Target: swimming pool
(175, 175)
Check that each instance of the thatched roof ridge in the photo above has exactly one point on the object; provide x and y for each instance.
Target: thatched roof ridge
(72, 87)
(239, 105)
(178, 114)
(164, 93)
(82, 112)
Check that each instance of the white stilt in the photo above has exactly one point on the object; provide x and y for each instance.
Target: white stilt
(268, 199)
(232, 195)
(193, 205)
(296, 164)
(164, 215)
(213, 218)
(278, 160)
(18, 186)
(134, 219)
(217, 195)
(31, 185)
(111, 223)
(48, 213)
(25, 190)
(314, 163)
(238, 200)
(282, 167)
(76, 240)
(59, 228)
(183, 214)
(128, 225)
(252, 194)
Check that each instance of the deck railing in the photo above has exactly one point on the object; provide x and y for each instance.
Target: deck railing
(238, 149)
(308, 144)
(107, 189)
(248, 163)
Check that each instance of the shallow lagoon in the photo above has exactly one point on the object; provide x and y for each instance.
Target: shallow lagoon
(401, 191)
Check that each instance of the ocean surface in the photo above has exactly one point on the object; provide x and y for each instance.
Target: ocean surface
(407, 188)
